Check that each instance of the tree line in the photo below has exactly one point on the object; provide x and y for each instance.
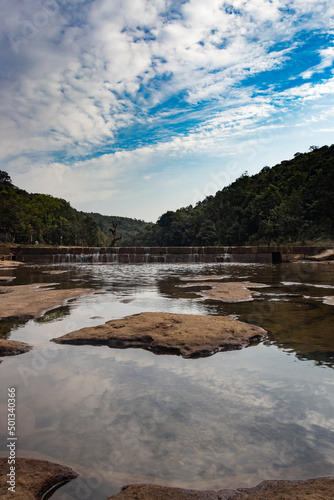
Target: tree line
(291, 202)
(28, 218)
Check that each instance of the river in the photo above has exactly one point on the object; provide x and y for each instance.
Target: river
(127, 415)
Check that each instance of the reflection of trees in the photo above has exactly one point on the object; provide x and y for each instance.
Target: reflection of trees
(6, 327)
(304, 329)
(295, 324)
(54, 315)
(320, 358)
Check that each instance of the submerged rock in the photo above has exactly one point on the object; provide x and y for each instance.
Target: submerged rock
(230, 291)
(313, 489)
(12, 347)
(33, 478)
(32, 301)
(182, 334)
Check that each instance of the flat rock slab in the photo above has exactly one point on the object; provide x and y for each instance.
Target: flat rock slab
(54, 272)
(231, 291)
(32, 301)
(165, 333)
(311, 489)
(6, 264)
(329, 300)
(7, 278)
(12, 347)
(33, 478)
(204, 277)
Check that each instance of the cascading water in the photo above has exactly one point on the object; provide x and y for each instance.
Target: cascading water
(227, 257)
(169, 255)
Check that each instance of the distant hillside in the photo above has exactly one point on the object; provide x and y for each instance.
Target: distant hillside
(291, 202)
(126, 228)
(288, 203)
(26, 218)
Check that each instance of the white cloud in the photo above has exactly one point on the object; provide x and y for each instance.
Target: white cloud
(88, 70)
(327, 59)
(309, 91)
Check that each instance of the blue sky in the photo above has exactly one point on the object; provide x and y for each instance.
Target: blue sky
(136, 107)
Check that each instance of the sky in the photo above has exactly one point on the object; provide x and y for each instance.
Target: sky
(136, 107)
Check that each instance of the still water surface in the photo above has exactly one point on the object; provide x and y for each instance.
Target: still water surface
(121, 416)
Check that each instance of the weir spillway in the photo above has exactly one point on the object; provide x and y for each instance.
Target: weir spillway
(139, 255)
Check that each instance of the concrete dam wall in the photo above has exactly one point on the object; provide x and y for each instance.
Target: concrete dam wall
(138, 255)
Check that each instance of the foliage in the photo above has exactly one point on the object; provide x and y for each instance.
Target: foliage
(127, 228)
(26, 218)
(290, 202)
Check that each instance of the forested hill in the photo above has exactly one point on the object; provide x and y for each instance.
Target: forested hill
(289, 203)
(292, 202)
(26, 218)
(126, 228)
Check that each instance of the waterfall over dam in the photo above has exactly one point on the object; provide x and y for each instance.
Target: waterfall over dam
(137, 255)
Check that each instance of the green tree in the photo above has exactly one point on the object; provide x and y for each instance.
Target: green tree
(4, 177)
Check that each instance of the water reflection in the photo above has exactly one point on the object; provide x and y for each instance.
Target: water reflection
(6, 327)
(54, 315)
(120, 416)
(293, 313)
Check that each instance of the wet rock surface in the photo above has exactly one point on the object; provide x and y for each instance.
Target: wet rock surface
(32, 301)
(312, 489)
(12, 347)
(33, 478)
(182, 334)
